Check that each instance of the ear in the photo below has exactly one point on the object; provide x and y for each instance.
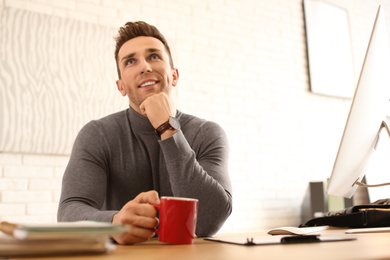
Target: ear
(175, 77)
(120, 86)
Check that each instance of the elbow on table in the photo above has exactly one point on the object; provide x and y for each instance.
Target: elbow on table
(213, 222)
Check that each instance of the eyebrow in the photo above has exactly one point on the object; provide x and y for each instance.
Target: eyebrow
(149, 50)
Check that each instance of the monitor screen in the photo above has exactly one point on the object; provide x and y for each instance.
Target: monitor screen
(367, 112)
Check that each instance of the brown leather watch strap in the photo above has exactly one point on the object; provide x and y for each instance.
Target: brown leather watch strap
(162, 128)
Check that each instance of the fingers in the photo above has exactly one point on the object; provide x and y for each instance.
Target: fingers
(138, 211)
(158, 108)
(148, 197)
(134, 235)
(140, 216)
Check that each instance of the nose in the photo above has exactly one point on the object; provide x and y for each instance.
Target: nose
(145, 67)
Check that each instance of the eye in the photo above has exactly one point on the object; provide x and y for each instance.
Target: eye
(154, 57)
(129, 62)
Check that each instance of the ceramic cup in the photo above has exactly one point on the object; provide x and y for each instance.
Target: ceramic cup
(177, 220)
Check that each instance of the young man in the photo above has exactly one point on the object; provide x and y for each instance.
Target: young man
(122, 163)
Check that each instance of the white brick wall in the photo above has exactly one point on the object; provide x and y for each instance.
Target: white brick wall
(30, 186)
(242, 64)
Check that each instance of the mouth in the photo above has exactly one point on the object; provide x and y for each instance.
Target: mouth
(148, 83)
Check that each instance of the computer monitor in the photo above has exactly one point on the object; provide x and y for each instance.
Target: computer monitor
(366, 116)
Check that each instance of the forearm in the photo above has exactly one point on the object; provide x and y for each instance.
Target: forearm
(82, 196)
(70, 211)
(205, 179)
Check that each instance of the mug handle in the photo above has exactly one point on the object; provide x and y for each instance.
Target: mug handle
(157, 207)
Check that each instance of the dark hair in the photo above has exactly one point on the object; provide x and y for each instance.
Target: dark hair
(134, 29)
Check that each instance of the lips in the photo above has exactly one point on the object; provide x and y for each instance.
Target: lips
(148, 83)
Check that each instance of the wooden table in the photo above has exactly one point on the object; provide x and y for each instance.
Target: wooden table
(367, 246)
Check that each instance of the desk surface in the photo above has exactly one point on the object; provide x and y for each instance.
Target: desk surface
(367, 246)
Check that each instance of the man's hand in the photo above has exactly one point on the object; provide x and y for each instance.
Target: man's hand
(140, 216)
(158, 108)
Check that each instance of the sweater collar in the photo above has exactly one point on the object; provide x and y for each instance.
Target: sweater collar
(138, 122)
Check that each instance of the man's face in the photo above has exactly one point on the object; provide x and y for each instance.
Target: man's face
(144, 66)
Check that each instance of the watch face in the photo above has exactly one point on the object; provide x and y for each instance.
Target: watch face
(174, 123)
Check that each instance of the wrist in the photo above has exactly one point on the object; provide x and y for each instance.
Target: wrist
(168, 128)
(168, 133)
(115, 219)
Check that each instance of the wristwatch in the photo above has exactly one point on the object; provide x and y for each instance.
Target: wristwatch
(172, 123)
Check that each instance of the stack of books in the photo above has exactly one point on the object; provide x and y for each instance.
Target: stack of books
(84, 237)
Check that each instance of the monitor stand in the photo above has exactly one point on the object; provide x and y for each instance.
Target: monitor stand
(384, 126)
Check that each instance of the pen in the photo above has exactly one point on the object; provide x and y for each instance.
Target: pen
(7, 228)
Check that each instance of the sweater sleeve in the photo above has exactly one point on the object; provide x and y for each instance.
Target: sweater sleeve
(201, 174)
(85, 179)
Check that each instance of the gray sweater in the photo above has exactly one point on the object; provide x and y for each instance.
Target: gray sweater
(119, 156)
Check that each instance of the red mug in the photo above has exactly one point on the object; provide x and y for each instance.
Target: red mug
(177, 220)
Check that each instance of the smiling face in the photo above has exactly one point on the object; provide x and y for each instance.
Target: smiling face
(145, 70)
